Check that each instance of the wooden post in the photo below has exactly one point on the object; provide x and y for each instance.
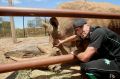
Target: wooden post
(12, 25)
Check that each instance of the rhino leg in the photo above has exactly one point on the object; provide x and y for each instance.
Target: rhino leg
(55, 67)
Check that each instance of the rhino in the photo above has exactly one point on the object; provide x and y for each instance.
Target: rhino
(59, 29)
(63, 28)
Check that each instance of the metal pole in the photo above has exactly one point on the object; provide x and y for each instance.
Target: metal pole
(36, 63)
(15, 11)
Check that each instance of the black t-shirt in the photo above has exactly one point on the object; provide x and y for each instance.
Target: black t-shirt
(107, 42)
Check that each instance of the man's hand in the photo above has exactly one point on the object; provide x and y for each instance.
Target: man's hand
(75, 52)
(57, 43)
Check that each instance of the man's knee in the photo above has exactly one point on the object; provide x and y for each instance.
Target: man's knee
(99, 70)
(90, 74)
(92, 69)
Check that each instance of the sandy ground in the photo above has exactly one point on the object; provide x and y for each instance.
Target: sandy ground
(6, 44)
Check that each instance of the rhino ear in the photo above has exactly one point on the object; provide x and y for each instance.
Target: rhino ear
(54, 22)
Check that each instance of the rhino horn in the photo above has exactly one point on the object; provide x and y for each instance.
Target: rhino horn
(54, 22)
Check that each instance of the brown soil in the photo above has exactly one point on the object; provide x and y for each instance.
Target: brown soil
(6, 45)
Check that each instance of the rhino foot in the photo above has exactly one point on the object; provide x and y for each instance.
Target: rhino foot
(55, 68)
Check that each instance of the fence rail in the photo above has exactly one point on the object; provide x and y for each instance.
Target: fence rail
(20, 11)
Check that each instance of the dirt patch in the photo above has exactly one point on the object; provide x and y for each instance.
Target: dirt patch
(6, 45)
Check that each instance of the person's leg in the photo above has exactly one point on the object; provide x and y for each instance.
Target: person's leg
(101, 68)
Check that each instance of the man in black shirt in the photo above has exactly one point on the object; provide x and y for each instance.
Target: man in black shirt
(101, 58)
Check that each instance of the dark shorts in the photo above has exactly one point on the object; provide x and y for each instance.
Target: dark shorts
(102, 69)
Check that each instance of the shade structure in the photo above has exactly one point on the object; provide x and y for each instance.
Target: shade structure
(36, 63)
(20, 11)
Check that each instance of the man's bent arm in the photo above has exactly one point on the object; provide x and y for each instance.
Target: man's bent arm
(87, 54)
(71, 38)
